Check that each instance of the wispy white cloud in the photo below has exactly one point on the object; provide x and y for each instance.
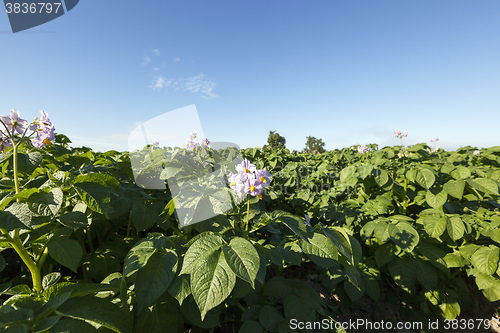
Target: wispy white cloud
(156, 69)
(146, 61)
(155, 52)
(177, 59)
(194, 84)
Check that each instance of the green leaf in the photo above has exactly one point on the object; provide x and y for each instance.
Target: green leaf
(66, 251)
(292, 253)
(403, 272)
(99, 311)
(296, 224)
(52, 304)
(269, 317)
(435, 256)
(347, 173)
(381, 177)
(455, 227)
(212, 280)
(425, 178)
(243, 259)
(301, 308)
(436, 197)
(27, 163)
(73, 326)
(340, 239)
(143, 214)
(450, 310)
(386, 253)
(320, 250)
(426, 274)
(354, 292)
(206, 242)
(99, 178)
(9, 221)
(74, 220)
(23, 213)
(81, 289)
(154, 278)
(455, 188)
(453, 260)
(485, 185)
(434, 225)
(404, 235)
(485, 259)
(96, 196)
(139, 255)
(381, 231)
(44, 324)
(251, 326)
(180, 288)
(163, 316)
(15, 316)
(50, 279)
(467, 250)
(46, 204)
(460, 172)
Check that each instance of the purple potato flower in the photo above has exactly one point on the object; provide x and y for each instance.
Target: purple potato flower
(363, 149)
(263, 176)
(205, 143)
(253, 187)
(308, 220)
(246, 167)
(13, 122)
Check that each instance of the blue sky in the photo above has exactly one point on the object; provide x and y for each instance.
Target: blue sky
(348, 72)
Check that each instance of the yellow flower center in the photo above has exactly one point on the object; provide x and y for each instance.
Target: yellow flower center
(252, 188)
(232, 184)
(262, 180)
(247, 171)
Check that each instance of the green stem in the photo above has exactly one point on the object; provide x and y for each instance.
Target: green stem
(238, 304)
(129, 225)
(16, 178)
(89, 238)
(42, 257)
(17, 244)
(248, 213)
(35, 272)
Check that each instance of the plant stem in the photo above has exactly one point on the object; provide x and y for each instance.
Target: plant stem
(41, 258)
(248, 213)
(16, 243)
(129, 225)
(16, 179)
(89, 238)
(35, 272)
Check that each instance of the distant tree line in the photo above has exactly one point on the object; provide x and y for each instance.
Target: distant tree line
(276, 141)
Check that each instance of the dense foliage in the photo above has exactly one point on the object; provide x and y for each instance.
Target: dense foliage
(113, 256)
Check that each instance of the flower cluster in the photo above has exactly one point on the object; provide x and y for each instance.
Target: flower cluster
(192, 144)
(435, 140)
(404, 152)
(363, 149)
(249, 180)
(476, 152)
(433, 150)
(400, 135)
(43, 131)
(154, 143)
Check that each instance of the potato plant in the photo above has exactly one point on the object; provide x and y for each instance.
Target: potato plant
(87, 246)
